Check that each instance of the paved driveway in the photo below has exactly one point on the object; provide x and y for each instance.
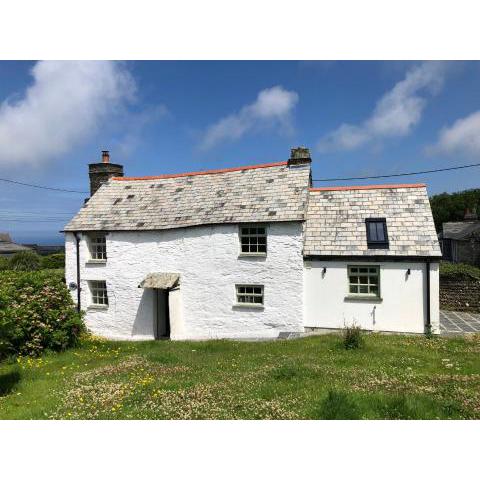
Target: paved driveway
(459, 322)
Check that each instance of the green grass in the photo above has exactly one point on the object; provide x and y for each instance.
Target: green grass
(390, 377)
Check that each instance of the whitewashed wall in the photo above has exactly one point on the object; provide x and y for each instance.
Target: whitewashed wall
(207, 259)
(403, 305)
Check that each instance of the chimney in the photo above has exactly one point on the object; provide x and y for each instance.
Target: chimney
(299, 156)
(100, 173)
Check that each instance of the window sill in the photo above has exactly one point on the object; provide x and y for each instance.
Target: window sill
(255, 306)
(97, 307)
(93, 261)
(246, 255)
(363, 298)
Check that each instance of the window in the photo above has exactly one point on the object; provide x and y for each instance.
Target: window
(364, 281)
(98, 289)
(249, 294)
(253, 239)
(377, 236)
(98, 247)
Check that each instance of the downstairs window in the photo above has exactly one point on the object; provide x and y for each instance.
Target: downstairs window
(98, 290)
(249, 294)
(364, 281)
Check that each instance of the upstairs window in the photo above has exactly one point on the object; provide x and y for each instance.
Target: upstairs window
(249, 294)
(98, 247)
(377, 236)
(98, 289)
(253, 240)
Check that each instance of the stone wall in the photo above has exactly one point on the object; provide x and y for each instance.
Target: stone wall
(209, 262)
(461, 294)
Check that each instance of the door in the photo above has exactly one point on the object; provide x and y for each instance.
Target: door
(162, 327)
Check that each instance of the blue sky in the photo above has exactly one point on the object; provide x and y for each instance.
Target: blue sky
(358, 118)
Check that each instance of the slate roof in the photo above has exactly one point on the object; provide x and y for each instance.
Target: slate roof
(7, 246)
(261, 193)
(335, 223)
(460, 230)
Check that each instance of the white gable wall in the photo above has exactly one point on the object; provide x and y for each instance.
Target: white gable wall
(402, 309)
(207, 258)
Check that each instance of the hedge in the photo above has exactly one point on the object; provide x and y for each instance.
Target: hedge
(29, 261)
(36, 313)
(459, 270)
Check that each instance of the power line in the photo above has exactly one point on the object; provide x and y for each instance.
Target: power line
(41, 186)
(397, 174)
(59, 220)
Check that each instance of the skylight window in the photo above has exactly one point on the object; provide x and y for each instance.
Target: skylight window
(377, 235)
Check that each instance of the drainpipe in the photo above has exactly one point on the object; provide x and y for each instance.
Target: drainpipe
(77, 244)
(427, 265)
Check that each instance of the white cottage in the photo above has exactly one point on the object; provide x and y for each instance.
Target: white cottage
(250, 252)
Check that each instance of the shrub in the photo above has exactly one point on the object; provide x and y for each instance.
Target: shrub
(4, 264)
(25, 261)
(36, 313)
(352, 337)
(459, 270)
(55, 260)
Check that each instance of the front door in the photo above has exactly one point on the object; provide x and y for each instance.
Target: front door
(162, 327)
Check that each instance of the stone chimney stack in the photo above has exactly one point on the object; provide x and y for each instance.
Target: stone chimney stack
(299, 156)
(100, 173)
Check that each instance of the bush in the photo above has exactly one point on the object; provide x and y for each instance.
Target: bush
(459, 270)
(352, 337)
(25, 261)
(55, 260)
(4, 264)
(36, 313)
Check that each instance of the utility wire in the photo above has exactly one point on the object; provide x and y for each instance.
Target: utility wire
(315, 180)
(41, 186)
(396, 174)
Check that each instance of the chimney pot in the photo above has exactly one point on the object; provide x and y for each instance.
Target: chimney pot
(101, 172)
(299, 156)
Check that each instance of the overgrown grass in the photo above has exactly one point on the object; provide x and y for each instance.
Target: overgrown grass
(391, 377)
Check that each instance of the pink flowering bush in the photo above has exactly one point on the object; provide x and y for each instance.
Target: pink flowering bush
(36, 313)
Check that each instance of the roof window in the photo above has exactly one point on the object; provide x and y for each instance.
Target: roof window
(377, 235)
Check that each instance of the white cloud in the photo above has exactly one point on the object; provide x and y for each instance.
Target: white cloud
(273, 107)
(462, 137)
(66, 103)
(395, 114)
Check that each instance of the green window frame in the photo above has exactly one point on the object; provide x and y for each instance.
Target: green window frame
(364, 280)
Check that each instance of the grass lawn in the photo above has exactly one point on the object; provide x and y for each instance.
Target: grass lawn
(315, 377)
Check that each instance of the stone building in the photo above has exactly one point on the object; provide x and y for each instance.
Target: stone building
(8, 247)
(250, 252)
(461, 240)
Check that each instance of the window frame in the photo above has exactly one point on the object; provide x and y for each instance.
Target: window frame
(94, 247)
(369, 284)
(241, 235)
(253, 294)
(377, 244)
(95, 296)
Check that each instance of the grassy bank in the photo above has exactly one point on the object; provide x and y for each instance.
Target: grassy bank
(315, 377)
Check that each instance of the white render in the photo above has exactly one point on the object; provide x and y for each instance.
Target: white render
(209, 263)
(402, 308)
